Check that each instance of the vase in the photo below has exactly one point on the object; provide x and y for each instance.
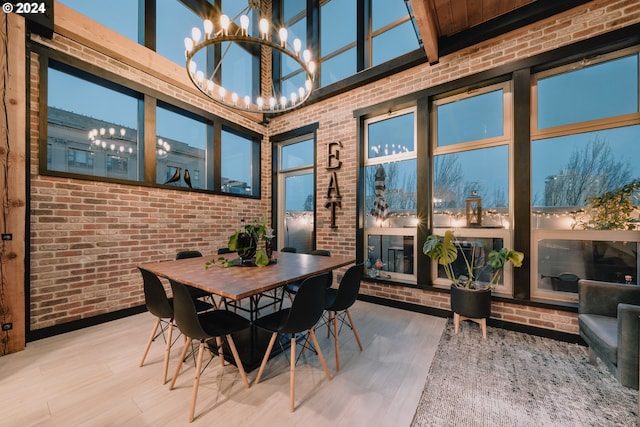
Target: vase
(246, 246)
(472, 303)
(268, 247)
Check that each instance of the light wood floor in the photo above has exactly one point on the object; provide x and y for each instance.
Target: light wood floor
(91, 378)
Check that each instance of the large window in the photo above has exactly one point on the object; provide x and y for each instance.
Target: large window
(391, 196)
(92, 125)
(392, 32)
(119, 15)
(181, 148)
(471, 138)
(240, 161)
(174, 22)
(586, 133)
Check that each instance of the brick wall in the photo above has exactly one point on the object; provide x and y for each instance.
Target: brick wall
(336, 123)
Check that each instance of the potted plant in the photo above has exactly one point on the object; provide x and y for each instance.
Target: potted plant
(470, 298)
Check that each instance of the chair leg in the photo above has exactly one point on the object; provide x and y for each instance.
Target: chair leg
(320, 355)
(196, 382)
(266, 357)
(329, 314)
(353, 328)
(220, 355)
(151, 337)
(335, 340)
(236, 357)
(167, 352)
(180, 362)
(292, 374)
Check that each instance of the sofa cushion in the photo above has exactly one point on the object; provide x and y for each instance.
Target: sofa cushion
(601, 333)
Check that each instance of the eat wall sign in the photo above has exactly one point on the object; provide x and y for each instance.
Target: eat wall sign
(334, 199)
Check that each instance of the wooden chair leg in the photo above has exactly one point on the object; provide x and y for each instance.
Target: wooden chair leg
(266, 357)
(167, 351)
(187, 341)
(220, 354)
(153, 334)
(236, 357)
(292, 374)
(353, 328)
(456, 323)
(320, 355)
(329, 313)
(335, 341)
(196, 382)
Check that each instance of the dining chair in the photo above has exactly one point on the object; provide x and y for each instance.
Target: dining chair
(305, 311)
(195, 292)
(289, 249)
(338, 302)
(161, 306)
(292, 288)
(207, 328)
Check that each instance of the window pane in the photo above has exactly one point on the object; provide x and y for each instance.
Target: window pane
(481, 247)
(174, 22)
(599, 91)
(337, 25)
(471, 119)
(393, 43)
(567, 170)
(391, 136)
(458, 175)
(384, 12)
(561, 263)
(393, 184)
(291, 8)
(85, 135)
(389, 253)
(338, 67)
(299, 209)
(237, 164)
(181, 150)
(298, 155)
(237, 71)
(119, 15)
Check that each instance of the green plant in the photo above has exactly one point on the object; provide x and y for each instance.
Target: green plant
(258, 231)
(444, 250)
(613, 209)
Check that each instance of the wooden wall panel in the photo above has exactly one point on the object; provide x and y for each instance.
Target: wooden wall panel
(12, 183)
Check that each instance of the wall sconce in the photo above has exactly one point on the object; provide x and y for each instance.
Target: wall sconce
(474, 210)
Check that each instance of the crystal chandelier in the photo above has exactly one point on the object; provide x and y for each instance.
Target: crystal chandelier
(227, 31)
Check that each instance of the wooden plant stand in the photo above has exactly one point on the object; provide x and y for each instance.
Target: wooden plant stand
(482, 322)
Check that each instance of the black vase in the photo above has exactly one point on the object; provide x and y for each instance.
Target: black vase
(246, 246)
(472, 303)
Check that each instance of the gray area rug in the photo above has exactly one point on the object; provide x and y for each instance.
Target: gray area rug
(515, 379)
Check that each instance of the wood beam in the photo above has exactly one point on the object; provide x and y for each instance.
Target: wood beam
(13, 172)
(426, 21)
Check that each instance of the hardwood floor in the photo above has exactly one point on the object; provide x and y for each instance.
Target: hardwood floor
(91, 378)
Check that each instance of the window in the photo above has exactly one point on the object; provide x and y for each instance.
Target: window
(92, 125)
(337, 40)
(119, 15)
(392, 32)
(585, 134)
(391, 196)
(295, 20)
(240, 161)
(174, 22)
(471, 136)
(181, 147)
(296, 195)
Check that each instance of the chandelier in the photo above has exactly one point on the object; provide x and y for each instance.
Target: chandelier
(227, 31)
(109, 139)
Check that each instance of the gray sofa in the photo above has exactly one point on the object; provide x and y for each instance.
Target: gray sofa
(608, 320)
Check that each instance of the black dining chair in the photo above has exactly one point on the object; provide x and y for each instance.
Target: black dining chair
(195, 292)
(291, 288)
(289, 249)
(161, 306)
(338, 302)
(305, 311)
(207, 328)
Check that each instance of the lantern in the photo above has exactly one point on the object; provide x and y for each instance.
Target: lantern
(474, 210)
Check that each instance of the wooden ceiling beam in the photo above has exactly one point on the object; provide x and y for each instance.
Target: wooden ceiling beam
(427, 25)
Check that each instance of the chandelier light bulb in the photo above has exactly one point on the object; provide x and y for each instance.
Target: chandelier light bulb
(294, 98)
(234, 98)
(297, 45)
(224, 24)
(102, 131)
(192, 66)
(259, 102)
(210, 86)
(306, 55)
(130, 150)
(188, 44)
(196, 34)
(222, 92)
(200, 76)
(312, 67)
(103, 144)
(308, 85)
(208, 27)
(301, 92)
(112, 131)
(283, 101)
(244, 25)
(122, 148)
(272, 102)
(112, 147)
(122, 132)
(247, 101)
(283, 36)
(264, 28)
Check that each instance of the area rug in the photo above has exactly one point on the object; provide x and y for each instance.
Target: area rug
(516, 379)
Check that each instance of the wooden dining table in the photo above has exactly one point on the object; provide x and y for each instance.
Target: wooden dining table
(242, 282)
